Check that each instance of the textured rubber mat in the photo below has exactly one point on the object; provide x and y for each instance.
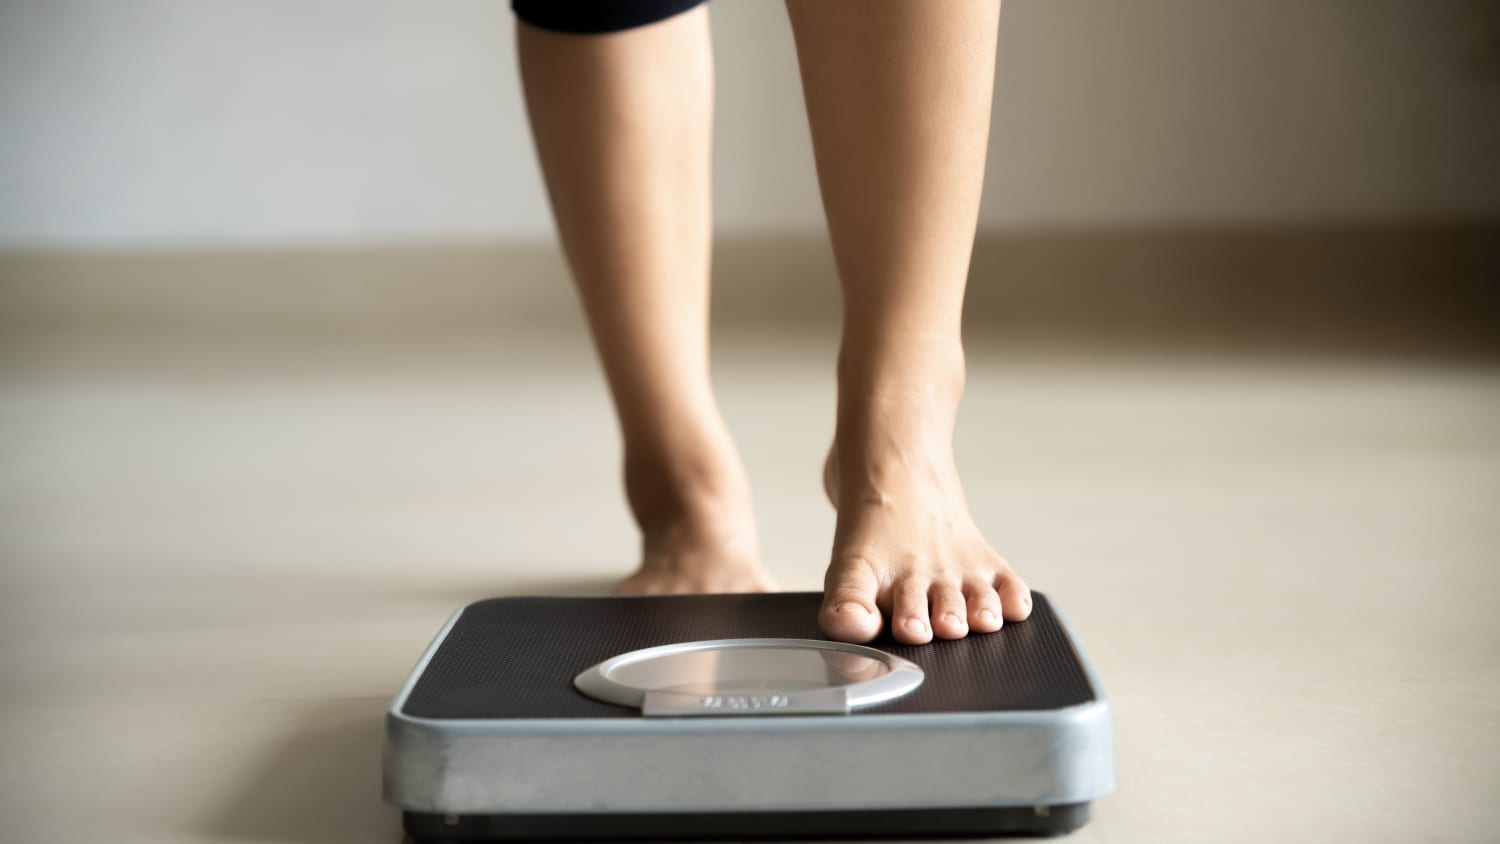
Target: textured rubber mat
(517, 657)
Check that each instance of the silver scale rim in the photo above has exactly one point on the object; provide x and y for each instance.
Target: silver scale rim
(902, 676)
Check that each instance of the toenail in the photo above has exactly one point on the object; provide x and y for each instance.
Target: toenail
(915, 625)
(987, 616)
(851, 607)
(952, 618)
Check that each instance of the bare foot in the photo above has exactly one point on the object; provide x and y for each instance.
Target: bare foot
(906, 549)
(697, 523)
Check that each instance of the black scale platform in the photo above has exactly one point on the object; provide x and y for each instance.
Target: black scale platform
(1025, 666)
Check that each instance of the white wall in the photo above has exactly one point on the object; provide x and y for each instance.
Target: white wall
(183, 123)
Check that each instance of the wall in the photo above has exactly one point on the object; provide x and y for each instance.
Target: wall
(171, 123)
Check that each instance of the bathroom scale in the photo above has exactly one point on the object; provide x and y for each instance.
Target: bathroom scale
(733, 716)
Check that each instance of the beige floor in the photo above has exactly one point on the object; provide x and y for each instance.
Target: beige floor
(221, 558)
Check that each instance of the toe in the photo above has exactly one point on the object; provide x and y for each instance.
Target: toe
(909, 622)
(1015, 596)
(949, 618)
(849, 613)
(984, 606)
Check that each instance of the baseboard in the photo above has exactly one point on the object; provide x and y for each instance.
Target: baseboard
(1355, 287)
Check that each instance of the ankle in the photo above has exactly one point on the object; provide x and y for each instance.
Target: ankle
(896, 419)
(896, 395)
(697, 479)
(928, 369)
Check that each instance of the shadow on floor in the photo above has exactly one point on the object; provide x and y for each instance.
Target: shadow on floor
(320, 784)
(557, 586)
(456, 593)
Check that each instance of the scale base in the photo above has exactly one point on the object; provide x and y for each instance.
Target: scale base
(866, 824)
(1008, 734)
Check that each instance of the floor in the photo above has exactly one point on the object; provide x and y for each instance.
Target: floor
(222, 556)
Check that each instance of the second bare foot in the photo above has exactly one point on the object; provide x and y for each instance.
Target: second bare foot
(697, 523)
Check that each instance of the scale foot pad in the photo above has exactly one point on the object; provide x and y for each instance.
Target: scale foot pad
(876, 823)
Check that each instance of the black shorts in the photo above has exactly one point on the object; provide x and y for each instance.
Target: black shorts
(597, 16)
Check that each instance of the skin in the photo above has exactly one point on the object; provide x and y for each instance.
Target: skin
(898, 98)
(623, 129)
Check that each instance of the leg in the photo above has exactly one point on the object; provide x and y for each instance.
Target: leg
(622, 124)
(898, 97)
